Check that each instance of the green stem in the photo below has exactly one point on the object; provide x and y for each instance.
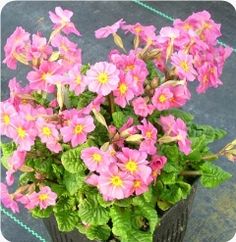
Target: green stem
(111, 103)
(210, 157)
(190, 173)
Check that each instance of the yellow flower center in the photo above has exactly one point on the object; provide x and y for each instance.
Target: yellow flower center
(162, 98)
(123, 88)
(129, 68)
(6, 119)
(103, 78)
(45, 76)
(138, 29)
(78, 129)
(43, 197)
(46, 131)
(184, 66)
(116, 181)
(131, 166)
(187, 26)
(97, 157)
(149, 134)
(78, 80)
(21, 132)
(137, 183)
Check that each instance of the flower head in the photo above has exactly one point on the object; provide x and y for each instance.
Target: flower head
(141, 107)
(102, 78)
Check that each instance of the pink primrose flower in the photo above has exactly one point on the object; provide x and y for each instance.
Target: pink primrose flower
(92, 179)
(134, 163)
(61, 19)
(124, 93)
(95, 104)
(157, 164)
(16, 47)
(77, 129)
(40, 78)
(10, 177)
(139, 186)
(115, 184)
(28, 113)
(141, 107)
(17, 160)
(95, 159)
(102, 78)
(8, 199)
(48, 134)
(104, 32)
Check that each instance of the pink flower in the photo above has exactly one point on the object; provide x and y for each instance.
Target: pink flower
(92, 180)
(8, 199)
(48, 134)
(23, 134)
(115, 184)
(141, 107)
(95, 159)
(44, 198)
(162, 98)
(17, 160)
(157, 164)
(9, 177)
(76, 80)
(184, 65)
(139, 186)
(177, 129)
(95, 104)
(16, 47)
(167, 33)
(39, 47)
(8, 113)
(134, 163)
(77, 129)
(149, 133)
(124, 93)
(61, 19)
(181, 95)
(102, 78)
(104, 32)
(40, 78)
(28, 112)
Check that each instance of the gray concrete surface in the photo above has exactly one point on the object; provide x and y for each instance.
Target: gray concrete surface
(213, 217)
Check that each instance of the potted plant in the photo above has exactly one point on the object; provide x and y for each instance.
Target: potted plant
(105, 149)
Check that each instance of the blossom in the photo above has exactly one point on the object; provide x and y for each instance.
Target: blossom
(124, 93)
(102, 78)
(16, 47)
(76, 80)
(139, 186)
(184, 65)
(94, 104)
(28, 112)
(48, 134)
(8, 199)
(77, 129)
(95, 159)
(177, 129)
(157, 164)
(134, 163)
(92, 179)
(115, 184)
(44, 198)
(141, 107)
(104, 32)
(9, 177)
(23, 134)
(61, 19)
(17, 160)
(8, 113)
(40, 78)
(149, 132)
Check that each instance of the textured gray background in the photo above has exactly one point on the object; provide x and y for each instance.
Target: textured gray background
(213, 217)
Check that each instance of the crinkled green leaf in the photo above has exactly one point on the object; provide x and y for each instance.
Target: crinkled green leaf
(42, 213)
(66, 220)
(26, 178)
(163, 205)
(168, 178)
(6, 151)
(71, 159)
(100, 232)
(73, 181)
(213, 175)
(92, 213)
(64, 204)
(119, 119)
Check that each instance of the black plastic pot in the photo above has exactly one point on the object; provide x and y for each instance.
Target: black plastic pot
(171, 229)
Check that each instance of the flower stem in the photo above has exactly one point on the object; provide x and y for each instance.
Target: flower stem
(190, 173)
(111, 103)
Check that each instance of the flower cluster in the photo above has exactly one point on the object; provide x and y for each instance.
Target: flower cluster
(118, 110)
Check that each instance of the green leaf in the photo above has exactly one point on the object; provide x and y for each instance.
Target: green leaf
(73, 182)
(66, 220)
(213, 175)
(40, 98)
(101, 232)
(42, 213)
(64, 204)
(26, 178)
(58, 171)
(85, 68)
(168, 178)
(92, 213)
(6, 151)
(119, 119)
(71, 159)
(152, 70)
(163, 205)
